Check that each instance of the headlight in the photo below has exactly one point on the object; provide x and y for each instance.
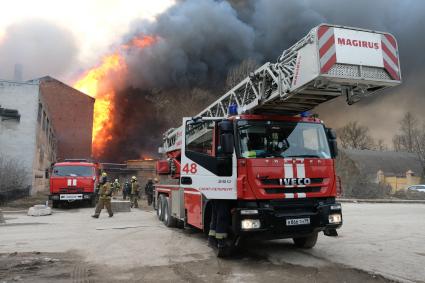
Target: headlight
(249, 211)
(248, 224)
(335, 218)
(336, 207)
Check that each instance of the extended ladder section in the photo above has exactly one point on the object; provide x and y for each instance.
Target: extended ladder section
(328, 62)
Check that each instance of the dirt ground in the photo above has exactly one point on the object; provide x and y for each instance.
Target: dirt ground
(70, 267)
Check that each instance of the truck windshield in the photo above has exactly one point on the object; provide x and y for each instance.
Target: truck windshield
(271, 139)
(73, 171)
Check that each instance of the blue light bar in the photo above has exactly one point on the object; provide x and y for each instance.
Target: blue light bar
(233, 109)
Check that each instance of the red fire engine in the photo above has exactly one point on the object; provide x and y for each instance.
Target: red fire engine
(257, 148)
(73, 180)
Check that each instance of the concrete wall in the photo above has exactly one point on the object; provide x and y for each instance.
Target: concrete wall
(72, 116)
(17, 138)
(31, 140)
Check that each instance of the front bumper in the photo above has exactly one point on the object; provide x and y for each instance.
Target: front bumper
(85, 196)
(273, 219)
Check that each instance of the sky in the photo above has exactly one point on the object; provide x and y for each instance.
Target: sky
(89, 25)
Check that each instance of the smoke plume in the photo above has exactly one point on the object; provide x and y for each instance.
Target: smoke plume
(39, 46)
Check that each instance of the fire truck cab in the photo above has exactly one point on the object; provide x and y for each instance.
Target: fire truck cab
(73, 180)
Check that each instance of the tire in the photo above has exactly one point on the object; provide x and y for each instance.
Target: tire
(168, 219)
(306, 242)
(160, 209)
(228, 250)
(55, 203)
(92, 202)
(207, 219)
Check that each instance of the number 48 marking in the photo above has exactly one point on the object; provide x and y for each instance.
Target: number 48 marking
(190, 168)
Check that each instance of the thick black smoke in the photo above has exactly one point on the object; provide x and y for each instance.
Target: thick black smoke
(39, 46)
(199, 41)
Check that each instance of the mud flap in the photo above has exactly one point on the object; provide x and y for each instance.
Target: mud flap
(330, 232)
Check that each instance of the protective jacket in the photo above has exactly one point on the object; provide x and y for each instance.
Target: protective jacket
(117, 186)
(105, 191)
(149, 188)
(134, 188)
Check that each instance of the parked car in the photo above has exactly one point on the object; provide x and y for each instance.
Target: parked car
(417, 188)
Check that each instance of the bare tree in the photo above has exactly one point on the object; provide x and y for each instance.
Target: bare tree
(240, 72)
(411, 138)
(12, 174)
(355, 136)
(397, 143)
(409, 133)
(419, 147)
(380, 145)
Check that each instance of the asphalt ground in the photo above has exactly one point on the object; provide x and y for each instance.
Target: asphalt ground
(377, 243)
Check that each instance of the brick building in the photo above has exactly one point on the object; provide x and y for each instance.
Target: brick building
(72, 117)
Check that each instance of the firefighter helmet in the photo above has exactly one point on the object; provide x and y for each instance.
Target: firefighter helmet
(104, 174)
(116, 180)
(134, 178)
(155, 180)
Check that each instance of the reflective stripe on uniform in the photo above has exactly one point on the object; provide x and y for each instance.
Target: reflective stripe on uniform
(220, 235)
(211, 233)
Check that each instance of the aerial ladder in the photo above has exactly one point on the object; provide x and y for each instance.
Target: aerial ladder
(329, 62)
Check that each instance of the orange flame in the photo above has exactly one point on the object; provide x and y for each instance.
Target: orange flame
(96, 83)
(100, 83)
(140, 41)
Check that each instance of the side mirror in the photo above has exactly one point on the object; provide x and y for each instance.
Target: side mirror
(226, 137)
(331, 133)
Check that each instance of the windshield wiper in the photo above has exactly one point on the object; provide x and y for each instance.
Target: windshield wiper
(304, 155)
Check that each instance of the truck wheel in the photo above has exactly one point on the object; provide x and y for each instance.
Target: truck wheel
(55, 203)
(228, 250)
(306, 242)
(93, 202)
(169, 220)
(160, 209)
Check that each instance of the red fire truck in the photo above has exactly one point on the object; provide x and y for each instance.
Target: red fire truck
(258, 148)
(73, 180)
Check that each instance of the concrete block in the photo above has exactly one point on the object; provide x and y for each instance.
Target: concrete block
(120, 205)
(39, 210)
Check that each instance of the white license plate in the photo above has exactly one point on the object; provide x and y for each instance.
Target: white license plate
(297, 221)
(71, 197)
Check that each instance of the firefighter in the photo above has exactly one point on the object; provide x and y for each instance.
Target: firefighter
(116, 186)
(134, 194)
(105, 193)
(126, 190)
(219, 224)
(149, 191)
(96, 191)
